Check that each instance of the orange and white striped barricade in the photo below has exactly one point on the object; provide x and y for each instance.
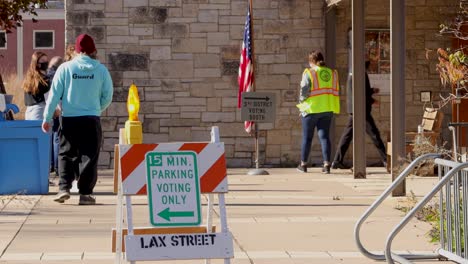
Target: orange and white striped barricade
(172, 175)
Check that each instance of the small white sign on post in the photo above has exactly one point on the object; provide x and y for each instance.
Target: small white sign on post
(258, 107)
(173, 188)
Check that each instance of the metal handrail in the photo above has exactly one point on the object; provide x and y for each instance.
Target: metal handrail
(454, 138)
(389, 255)
(379, 200)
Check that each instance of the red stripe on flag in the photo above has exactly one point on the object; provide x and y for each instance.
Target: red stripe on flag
(134, 157)
(214, 176)
(246, 77)
(241, 78)
(197, 147)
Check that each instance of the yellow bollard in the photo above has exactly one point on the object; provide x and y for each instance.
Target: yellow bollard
(133, 129)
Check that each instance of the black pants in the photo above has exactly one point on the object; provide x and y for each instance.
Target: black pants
(80, 142)
(347, 137)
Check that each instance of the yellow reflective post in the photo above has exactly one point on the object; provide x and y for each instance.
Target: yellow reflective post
(133, 130)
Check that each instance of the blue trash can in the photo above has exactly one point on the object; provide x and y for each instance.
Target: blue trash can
(24, 157)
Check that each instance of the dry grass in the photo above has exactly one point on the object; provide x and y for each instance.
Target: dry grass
(13, 87)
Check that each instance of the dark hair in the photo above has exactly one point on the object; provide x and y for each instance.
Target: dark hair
(316, 58)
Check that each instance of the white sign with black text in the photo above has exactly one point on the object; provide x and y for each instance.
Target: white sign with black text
(179, 246)
(258, 107)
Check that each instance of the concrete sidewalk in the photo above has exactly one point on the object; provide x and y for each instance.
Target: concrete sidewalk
(282, 218)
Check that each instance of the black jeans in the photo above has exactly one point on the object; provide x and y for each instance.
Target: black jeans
(347, 137)
(55, 143)
(80, 142)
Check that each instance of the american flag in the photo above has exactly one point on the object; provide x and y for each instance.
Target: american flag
(246, 67)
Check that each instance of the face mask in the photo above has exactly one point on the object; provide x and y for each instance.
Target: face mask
(43, 66)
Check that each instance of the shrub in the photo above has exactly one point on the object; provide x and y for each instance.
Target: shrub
(13, 87)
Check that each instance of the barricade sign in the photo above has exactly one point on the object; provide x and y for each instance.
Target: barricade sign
(210, 157)
(173, 175)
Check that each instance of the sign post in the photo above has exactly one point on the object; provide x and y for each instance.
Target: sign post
(258, 107)
(173, 188)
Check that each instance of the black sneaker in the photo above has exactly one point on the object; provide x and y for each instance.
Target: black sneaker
(62, 196)
(87, 200)
(339, 165)
(326, 169)
(302, 168)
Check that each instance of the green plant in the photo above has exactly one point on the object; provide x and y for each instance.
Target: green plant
(430, 213)
(435, 232)
(11, 12)
(453, 64)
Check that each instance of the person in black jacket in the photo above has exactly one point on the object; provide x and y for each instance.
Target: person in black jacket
(36, 85)
(371, 128)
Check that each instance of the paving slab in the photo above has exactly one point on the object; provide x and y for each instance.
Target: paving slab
(286, 217)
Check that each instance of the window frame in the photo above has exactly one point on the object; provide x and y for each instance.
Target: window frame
(41, 31)
(6, 40)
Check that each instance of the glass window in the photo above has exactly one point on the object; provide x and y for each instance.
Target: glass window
(3, 40)
(378, 50)
(43, 39)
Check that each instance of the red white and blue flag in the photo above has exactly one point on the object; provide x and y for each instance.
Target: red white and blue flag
(246, 67)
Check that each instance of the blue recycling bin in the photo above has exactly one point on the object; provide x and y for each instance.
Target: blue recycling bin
(24, 157)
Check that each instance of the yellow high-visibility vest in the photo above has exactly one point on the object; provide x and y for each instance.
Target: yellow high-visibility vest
(324, 91)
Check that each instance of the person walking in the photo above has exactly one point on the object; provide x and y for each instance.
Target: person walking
(84, 86)
(371, 128)
(319, 100)
(35, 86)
(53, 65)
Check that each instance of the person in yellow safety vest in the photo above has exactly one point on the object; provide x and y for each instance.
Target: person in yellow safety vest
(319, 100)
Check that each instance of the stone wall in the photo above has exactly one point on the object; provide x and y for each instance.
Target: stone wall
(422, 25)
(184, 56)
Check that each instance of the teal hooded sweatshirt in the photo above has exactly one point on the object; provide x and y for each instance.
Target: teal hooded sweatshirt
(83, 85)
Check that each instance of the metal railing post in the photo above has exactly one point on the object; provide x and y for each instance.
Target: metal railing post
(446, 179)
(379, 200)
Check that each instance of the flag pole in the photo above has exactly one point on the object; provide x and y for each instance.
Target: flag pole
(257, 170)
(253, 80)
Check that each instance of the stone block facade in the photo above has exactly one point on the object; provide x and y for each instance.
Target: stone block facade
(184, 56)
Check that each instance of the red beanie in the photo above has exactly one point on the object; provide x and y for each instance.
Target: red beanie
(85, 44)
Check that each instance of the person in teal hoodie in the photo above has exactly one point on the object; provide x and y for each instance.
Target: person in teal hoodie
(84, 87)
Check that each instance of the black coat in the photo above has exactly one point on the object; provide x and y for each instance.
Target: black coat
(369, 92)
